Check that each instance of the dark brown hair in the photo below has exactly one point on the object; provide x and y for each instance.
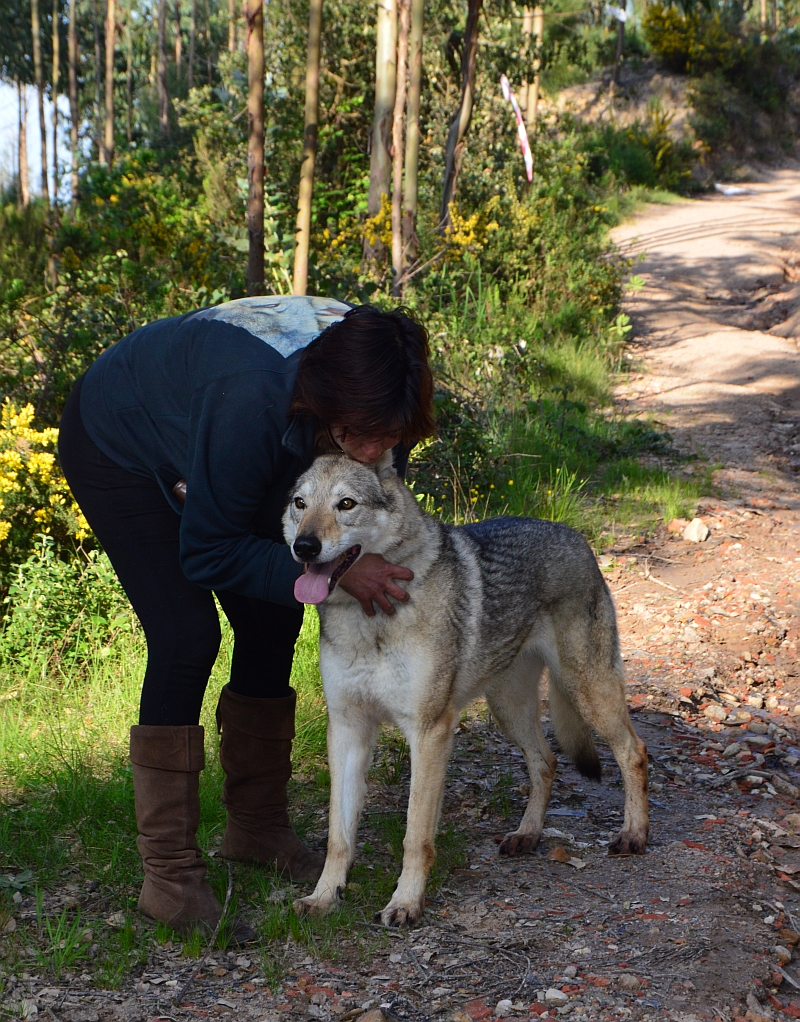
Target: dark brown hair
(369, 373)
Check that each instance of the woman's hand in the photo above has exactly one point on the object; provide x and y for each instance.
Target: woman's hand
(373, 579)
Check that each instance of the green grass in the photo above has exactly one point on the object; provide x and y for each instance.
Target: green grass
(567, 458)
(67, 819)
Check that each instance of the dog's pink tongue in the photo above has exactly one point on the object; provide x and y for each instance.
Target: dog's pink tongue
(312, 586)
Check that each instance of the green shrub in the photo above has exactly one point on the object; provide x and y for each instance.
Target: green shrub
(694, 42)
(71, 610)
(644, 154)
(742, 80)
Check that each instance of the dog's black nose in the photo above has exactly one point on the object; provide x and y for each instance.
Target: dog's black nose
(307, 547)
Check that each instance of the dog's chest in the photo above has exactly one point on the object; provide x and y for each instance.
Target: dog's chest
(371, 661)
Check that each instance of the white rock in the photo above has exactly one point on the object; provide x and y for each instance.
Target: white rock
(503, 1008)
(570, 972)
(696, 531)
(784, 955)
(554, 996)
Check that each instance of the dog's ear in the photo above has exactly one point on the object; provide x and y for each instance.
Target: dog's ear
(384, 467)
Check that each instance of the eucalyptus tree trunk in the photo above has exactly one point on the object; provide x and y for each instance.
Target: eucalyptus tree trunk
(300, 280)
(533, 30)
(129, 75)
(618, 55)
(55, 80)
(39, 79)
(459, 125)
(231, 26)
(72, 54)
(255, 146)
(410, 185)
(161, 70)
(98, 82)
(380, 164)
(111, 45)
(397, 148)
(192, 37)
(178, 40)
(207, 37)
(22, 152)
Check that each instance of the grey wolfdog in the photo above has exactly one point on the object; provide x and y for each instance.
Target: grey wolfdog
(491, 605)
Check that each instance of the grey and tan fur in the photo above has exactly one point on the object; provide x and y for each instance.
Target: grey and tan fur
(491, 605)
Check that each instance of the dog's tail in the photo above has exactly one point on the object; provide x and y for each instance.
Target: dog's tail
(573, 733)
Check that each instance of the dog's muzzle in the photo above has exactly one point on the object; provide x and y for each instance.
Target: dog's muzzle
(320, 578)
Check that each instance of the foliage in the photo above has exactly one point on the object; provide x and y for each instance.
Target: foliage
(742, 80)
(68, 610)
(644, 154)
(34, 496)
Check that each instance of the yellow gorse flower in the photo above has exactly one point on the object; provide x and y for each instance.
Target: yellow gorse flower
(31, 484)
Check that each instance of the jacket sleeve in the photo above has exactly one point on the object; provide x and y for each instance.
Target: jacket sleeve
(234, 447)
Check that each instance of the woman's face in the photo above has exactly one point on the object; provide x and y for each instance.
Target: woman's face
(367, 450)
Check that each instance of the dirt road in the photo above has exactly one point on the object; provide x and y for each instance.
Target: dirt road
(705, 926)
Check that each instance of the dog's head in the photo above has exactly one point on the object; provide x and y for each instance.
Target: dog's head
(339, 510)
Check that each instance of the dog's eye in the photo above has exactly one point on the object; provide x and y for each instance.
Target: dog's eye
(347, 504)
(299, 503)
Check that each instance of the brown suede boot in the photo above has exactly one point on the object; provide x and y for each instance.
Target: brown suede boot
(256, 755)
(166, 765)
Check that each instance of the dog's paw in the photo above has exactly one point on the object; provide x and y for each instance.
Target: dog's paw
(398, 916)
(312, 906)
(518, 843)
(628, 843)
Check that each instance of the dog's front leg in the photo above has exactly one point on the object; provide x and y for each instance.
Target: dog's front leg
(430, 751)
(351, 740)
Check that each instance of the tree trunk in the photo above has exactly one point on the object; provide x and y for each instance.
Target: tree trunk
(397, 148)
(255, 146)
(178, 39)
(161, 72)
(525, 56)
(231, 26)
(300, 281)
(39, 78)
(380, 163)
(536, 35)
(98, 64)
(56, 78)
(72, 52)
(129, 75)
(22, 153)
(111, 45)
(410, 191)
(618, 55)
(192, 36)
(459, 125)
(207, 34)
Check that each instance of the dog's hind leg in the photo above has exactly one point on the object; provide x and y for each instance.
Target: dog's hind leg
(514, 701)
(597, 692)
(351, 740)
(430, 751)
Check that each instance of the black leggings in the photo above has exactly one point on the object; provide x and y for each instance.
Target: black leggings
(139, 531)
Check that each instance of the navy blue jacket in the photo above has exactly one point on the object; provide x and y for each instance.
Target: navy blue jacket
(205, 397)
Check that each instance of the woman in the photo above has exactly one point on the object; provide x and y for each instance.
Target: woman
(180, 445)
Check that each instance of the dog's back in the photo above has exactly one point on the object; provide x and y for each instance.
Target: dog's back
(529, 567)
